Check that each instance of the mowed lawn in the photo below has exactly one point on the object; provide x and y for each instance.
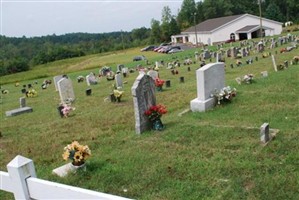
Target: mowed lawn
(211, 155)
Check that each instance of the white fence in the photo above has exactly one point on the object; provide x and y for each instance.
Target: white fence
(22, 182)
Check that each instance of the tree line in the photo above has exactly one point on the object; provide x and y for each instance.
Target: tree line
(20, 54)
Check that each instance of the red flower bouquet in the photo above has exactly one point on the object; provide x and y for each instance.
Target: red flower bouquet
(155, 112)
(159, 82)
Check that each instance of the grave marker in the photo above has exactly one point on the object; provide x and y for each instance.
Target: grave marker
(118, 81)
(143, 91)
(22, 102)
(274, 63)
(209, 78)
(66, 91)
(264, 133)
(154, 74)
(56, 79)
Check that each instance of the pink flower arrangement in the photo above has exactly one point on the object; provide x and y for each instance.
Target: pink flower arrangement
(66, 110)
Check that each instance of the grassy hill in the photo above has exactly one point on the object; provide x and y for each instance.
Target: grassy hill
(212, 155)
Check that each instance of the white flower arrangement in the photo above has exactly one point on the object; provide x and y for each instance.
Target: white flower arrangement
(225, 94)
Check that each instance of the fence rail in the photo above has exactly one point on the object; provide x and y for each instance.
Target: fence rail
(22, 182)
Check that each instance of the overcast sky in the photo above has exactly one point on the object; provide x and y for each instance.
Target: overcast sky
(44, 17)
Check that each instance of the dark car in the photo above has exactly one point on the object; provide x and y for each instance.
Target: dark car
(230, 40)
(138, 58)
(148, 48)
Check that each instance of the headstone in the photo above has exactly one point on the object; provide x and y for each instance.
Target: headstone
(88, 92)
(120, 67)
(239, 80)
(167, 83)
(286, 64)
(264, 73)
(209, 78)
(260, 47)
(125, 71)
(22, 102)
(66, 91)
(143, 91)
(91, 79)
(256, 58)
(56, 79)
(154, 74)
(274, 63)
(182, 79)
(23, 91)
(18, 111)
(189, 69)
(118, 81)
(264, 133)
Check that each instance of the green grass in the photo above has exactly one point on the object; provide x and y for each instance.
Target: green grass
(211, 155)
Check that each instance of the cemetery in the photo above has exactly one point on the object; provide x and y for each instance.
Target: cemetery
(180, 141)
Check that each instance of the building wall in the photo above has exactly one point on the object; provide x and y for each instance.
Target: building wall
(223, 33)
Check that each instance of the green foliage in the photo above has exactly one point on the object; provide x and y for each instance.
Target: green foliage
(273, 12)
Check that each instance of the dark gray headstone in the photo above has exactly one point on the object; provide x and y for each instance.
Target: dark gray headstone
(143, 91)
(167, 83)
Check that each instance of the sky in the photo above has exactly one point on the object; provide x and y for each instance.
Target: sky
(32, 18)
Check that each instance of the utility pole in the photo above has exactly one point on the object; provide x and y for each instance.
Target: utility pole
(261, 25)
(194, 16)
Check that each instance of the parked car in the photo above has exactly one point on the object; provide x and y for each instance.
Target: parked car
(138, 58)
(171, 48)
(175, 51)
(148, 48)
(230, 40)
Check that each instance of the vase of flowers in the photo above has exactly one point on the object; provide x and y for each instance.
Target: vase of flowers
(77, 153)
(224, 95)
(154, 113)
(159, 84)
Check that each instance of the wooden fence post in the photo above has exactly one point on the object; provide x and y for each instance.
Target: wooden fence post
(19, 169)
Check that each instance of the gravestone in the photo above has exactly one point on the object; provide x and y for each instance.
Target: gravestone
(260, 47)
(91, 79)
(125, 71)
(66, 91)
(23, 91)
(264, 73)
(22, 102)
(120, 67)
(143, 91)
(118, 81)
(182, 79)
(88, 92)
(208, 78)
(154, 74)
(56, 79)
(18, 111)
(167, 83)
(264, 133)
(286, 64)
(274, 63)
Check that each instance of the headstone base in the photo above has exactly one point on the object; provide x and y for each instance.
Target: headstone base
(18, 111)
(65, 169)
(201, 106)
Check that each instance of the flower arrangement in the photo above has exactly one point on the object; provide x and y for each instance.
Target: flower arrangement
(76, 152)
(159, 82)
(118, 94)
(155, 112)
(248, 78)
(66, 110)
(31, 93)
(225, 94)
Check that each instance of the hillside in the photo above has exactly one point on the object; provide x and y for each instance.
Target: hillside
(212, 155)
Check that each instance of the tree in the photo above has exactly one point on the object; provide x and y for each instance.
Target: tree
(185, 16)
(156, 31)
(273, 12)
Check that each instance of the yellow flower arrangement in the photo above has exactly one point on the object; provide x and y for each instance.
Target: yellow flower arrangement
(76, 152)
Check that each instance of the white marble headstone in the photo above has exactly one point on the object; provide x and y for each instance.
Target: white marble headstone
(118, 81)
(154, 74)
(66, 91)
(56, 79)
(209, 78)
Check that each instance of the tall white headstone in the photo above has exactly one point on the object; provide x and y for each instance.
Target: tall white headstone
(56, 79)
(66, 91)
(209, 78)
